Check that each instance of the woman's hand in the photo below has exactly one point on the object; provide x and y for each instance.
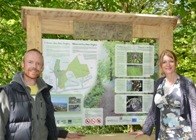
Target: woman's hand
(136, 133)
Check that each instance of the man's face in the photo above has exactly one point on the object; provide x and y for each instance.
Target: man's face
(32, 64)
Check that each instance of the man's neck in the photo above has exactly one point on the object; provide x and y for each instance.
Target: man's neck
(30, 81)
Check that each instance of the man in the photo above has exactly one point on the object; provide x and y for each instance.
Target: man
(26, 110)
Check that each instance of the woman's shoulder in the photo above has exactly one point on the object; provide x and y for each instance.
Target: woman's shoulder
(186, 79)
(160, 79)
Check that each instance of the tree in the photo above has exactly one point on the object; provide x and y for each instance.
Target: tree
(185, 38)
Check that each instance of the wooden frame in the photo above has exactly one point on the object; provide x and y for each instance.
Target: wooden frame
(38, 21)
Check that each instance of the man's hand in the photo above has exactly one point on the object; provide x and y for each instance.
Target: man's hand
(74, 135)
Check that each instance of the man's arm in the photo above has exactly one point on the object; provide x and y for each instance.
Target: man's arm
(62, 133)
(4, 113)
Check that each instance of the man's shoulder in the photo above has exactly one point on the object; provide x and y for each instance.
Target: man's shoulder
(4, 87)
(8, 88)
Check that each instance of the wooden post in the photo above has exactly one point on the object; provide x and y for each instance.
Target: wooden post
(34, 34)
(165, 40)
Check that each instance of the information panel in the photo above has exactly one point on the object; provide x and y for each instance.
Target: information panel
(134, 60)
(97, 82)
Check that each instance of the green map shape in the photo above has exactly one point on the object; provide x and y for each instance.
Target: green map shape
(79, 70)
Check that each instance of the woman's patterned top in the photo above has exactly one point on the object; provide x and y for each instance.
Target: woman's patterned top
(172, 125)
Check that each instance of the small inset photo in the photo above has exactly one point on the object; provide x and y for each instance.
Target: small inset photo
(134, 103)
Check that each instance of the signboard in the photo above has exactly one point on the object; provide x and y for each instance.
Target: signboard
(98, 83)
(102, 30)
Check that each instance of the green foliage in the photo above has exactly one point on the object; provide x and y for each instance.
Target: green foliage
(185, 39)
(97, 92)
(94, 96)
(12, 47)
(99, 129)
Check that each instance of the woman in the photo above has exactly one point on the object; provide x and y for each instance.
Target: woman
(173, 110)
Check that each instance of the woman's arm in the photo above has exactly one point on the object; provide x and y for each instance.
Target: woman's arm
(192, 104)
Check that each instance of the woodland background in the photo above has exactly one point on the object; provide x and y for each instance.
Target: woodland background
(13, 37)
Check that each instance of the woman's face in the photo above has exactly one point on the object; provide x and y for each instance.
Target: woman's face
(168, 65)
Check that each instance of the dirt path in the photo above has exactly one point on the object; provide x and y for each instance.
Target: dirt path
(107, 101)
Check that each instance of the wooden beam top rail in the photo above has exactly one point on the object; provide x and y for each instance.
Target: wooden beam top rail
(64, 15)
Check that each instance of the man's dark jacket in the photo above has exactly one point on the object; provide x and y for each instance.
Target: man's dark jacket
(20, 114)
